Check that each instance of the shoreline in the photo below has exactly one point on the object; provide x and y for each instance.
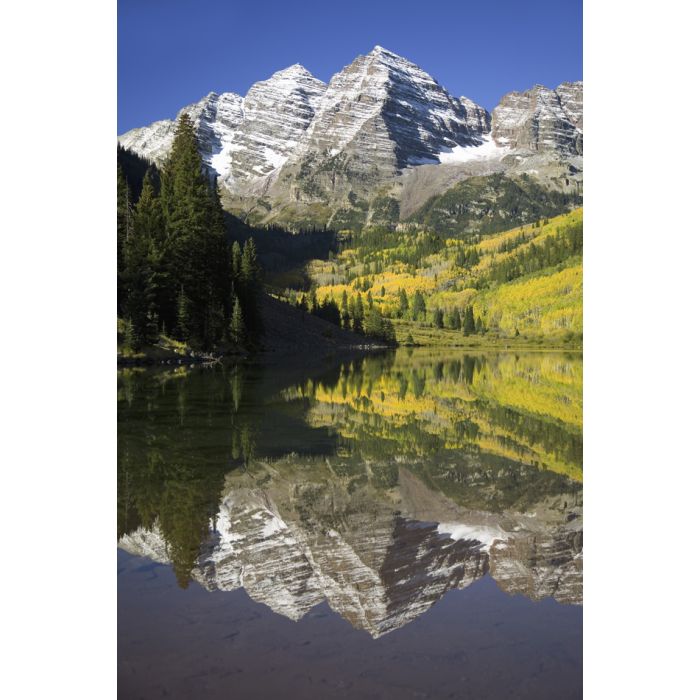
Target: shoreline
(270, 357)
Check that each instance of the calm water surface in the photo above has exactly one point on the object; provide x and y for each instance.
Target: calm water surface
(400, 526)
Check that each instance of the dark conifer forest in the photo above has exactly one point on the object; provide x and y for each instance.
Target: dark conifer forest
(177, 273)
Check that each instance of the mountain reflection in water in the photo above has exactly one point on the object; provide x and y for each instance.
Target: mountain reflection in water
(376, 485)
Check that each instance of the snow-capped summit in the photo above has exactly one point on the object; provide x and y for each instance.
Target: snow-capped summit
(297, 142)
(386, 107)
(276, 113)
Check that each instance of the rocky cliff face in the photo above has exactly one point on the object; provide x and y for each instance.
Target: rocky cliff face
(541, 120)
(294, 149)
(216, 119)
(477, 117)
(276, 114)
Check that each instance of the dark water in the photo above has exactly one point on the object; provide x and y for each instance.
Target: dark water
(407, 525)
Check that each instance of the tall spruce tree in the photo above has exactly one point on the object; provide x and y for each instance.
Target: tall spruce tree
(359, 317)
(454, 320)
(403, 303)
(344, 312)
(418, 306)
(124, 228)
(237, 323)
(195, 256)
(469, 326)
(140, 280)
(236, 259)
(251, 289)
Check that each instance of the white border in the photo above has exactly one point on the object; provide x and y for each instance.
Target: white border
(57, 292)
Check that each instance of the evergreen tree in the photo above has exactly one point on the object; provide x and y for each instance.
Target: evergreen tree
(236, 260)
(129, 337)
(251, 289)
(237, 323)
(344, 312)
(359, 316)
(313, 302)
(418, 306)
(148, 213)
(139, 278)
(194, 255)
(370, 301)
(139, 285)
(438, 318)
(403, 303)
(183, 326)
(469, 325)
(453, 320)
(124, 228)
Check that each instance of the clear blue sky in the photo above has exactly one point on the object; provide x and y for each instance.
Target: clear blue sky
(173, 52)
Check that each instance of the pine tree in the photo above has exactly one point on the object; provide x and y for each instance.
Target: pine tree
(351, 313)
(359, 316)
(236, 260)
(237, 323)
(148, 213)
(250, 290)
(344, 312)
(124, 229)
(418, 306)
(469, 326)
(438, 318)
(403, 303)
(129, 336)
(139, 274)
(184, 320)
(195, 256)
(453, 320)
(313, 302)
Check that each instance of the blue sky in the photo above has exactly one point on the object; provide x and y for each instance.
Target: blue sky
(173, 52)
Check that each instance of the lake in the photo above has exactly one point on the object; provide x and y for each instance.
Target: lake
(402, 525)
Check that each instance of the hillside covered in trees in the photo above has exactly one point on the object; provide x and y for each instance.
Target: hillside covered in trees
(526, 282)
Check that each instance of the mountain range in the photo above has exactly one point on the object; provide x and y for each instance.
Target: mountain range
(373, 145)
(379, 559)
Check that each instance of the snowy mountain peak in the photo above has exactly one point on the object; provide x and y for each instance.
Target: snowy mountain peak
(380, 50)
(295, 142)
(294, 72)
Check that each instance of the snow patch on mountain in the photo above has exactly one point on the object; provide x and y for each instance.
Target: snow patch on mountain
(488, 149)
(482, 533)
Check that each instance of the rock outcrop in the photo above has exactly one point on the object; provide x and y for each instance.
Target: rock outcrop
(541, 120)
